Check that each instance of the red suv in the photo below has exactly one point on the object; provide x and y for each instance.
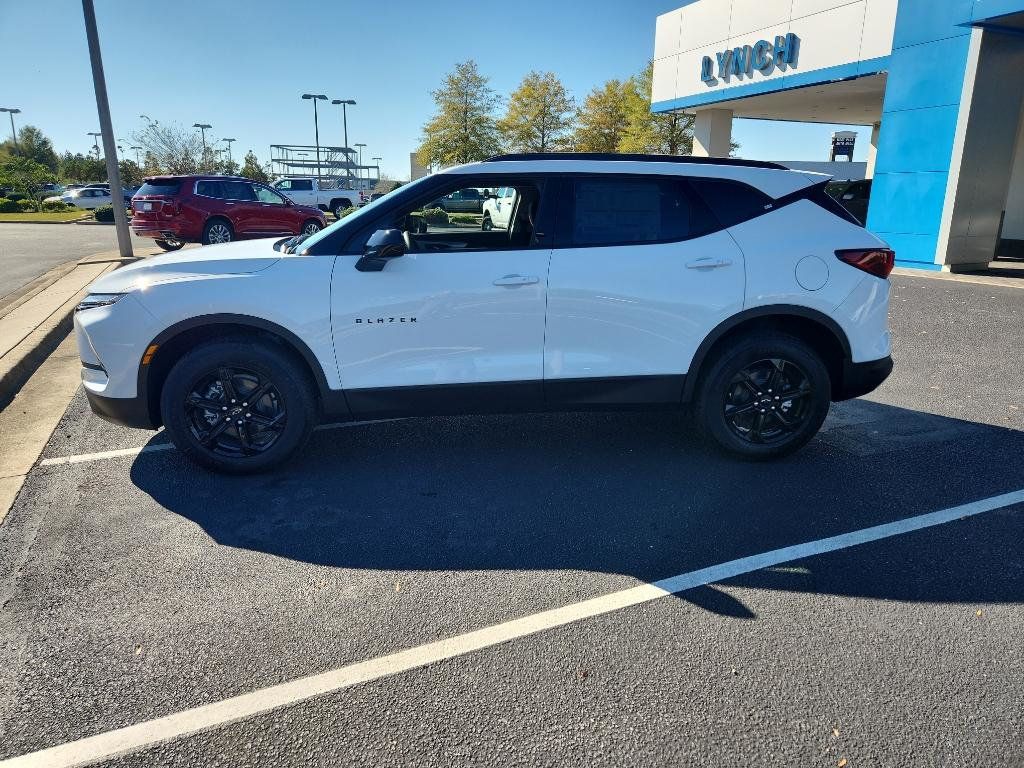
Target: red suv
(176, 210)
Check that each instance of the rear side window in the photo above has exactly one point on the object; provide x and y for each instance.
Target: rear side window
(731, 201)
(209, 189)
(624, 211)
(159, 187)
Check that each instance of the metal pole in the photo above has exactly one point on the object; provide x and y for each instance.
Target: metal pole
(316, 129)
(124, 240)
(14, 136)
(344, 122)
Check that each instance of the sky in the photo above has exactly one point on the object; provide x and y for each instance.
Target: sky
(242, 66)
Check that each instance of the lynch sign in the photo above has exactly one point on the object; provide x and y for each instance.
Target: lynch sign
(741, 62)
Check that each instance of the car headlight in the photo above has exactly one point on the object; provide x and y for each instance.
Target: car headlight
(98, 300)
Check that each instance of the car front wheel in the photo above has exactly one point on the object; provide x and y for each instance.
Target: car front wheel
(763, 397)
(486, 225)
(238, 406)
(340, 208)
(311, 227)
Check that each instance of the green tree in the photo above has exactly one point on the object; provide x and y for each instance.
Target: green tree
(662, 134)
(540, 115)
(131, 173)
(33, 144)
(81, 168)
(252, 169)
(174, 149)
(602, 122)
(463, 129)
(26, 176)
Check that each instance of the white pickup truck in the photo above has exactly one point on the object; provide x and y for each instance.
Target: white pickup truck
(326, 196)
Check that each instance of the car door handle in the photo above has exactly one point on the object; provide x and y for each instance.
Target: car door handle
(708, 263)
(514, 280)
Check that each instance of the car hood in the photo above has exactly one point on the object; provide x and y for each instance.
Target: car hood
(239, 258)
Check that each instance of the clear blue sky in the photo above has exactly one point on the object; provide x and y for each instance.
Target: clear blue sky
(242, 66)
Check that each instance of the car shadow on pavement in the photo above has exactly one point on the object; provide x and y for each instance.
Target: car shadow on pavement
(623, 493)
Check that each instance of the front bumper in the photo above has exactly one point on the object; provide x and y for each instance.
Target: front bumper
(126, 411)
(861, 378)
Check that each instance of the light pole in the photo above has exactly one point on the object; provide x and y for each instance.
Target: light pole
(202, 131)
(315, 97)
(14, 136)
(377, 166)
(228, 142)
(344, 115)
(99, 81)
(137, 161)
(95, 141)
(360, 146)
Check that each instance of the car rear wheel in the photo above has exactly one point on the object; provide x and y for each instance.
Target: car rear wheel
(170, 245)
(238, 407)
(340, 207)
(217, 231)
(763, 397)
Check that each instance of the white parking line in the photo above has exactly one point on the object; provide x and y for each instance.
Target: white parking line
(146, 734)
(82, 458)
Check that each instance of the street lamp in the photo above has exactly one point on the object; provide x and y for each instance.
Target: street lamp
(202, 130)
(344, 115)
(137, 161)
(95, 141)
(360, 158)
(14, 136)
(315, 97)
(228, 141)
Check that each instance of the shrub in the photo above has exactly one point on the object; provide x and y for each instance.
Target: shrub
(55, 206)
(104, 213)
(436, 216)
(8, 206)
(26, 205)
(464, 218)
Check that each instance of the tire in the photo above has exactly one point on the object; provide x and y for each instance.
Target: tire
(170, 245)
(218, 231)
(739, 404)
(310, 227)
(486, 225)
(338, 206)
(200, 398)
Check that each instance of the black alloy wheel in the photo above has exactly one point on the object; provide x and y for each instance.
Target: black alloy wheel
(234, 412)
(768, 401)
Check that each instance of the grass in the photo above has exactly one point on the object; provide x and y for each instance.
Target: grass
(46, 216)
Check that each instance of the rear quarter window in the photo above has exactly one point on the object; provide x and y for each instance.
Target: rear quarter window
(731, 202)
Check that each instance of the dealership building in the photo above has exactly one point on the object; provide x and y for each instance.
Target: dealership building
(938, 83)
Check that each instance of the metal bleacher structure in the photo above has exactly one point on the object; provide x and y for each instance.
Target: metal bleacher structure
(337, 164)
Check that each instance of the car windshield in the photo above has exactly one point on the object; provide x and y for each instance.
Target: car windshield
(355, 217)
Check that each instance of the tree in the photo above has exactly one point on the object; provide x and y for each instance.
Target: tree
(463, 128)
(33, 144)
(81, 168)
(252, 169)
(26, 176)
(662, 134)
(540, 115)
(173, 149)
(131, 173)
(601, 122)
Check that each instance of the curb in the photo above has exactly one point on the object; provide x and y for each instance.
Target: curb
(58, 223)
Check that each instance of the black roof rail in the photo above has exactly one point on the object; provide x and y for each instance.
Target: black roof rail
(689, 159)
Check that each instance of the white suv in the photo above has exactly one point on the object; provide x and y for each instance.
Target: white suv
(737, 289)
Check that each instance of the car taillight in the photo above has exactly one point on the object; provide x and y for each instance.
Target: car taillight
(171, 208)
(874, 261)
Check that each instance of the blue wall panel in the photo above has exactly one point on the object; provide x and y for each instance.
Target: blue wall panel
(917, 140)
(923, 78)
(904, 202)
(988, 9)
(921, 21)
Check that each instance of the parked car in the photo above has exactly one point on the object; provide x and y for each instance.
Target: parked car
(498, 208)
(86, 197)
(317, 194)
(175, 210)
(622, 281)
(460, 201)
(854, 196)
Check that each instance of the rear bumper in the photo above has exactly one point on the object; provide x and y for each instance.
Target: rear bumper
(126, 411)
(861, 378)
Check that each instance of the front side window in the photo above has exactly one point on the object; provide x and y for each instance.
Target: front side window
(266, 195)
(630, 211)
(302, 185)
(431, 229)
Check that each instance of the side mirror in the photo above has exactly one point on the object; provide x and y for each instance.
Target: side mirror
(383, 245)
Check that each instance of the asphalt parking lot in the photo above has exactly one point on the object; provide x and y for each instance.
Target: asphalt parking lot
(135, 586)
